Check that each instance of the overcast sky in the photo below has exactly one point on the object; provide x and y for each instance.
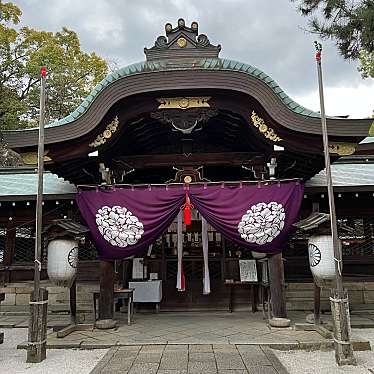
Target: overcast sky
(268, 34)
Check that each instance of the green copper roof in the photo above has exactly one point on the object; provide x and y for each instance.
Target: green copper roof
(202, 64)
(23, 182)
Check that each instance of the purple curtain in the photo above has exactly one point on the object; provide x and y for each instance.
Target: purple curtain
(124, 221)
(258, 218)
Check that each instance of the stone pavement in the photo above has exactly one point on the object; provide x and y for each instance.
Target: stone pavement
(187, 328)
(183, 359)
(191, 328)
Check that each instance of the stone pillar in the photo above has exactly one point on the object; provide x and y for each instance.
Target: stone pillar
(276, 280)
(106, 299)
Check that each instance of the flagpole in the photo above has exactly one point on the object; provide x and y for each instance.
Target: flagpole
(339, 296)
(39, 299)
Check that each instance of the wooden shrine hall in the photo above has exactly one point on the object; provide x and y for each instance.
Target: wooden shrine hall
(185, 116)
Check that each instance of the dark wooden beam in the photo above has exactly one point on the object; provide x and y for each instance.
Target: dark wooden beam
(194, 159)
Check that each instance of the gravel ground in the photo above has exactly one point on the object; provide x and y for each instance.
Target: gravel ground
(60, 361)
(318, 362)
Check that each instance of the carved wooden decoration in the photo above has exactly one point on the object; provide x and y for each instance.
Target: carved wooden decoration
(263, 128)
(187, 175)
(185, 121)
(31, 158)
(183, 102)
(106, 134)
(342, 149)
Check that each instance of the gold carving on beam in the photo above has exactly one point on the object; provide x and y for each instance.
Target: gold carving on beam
(342, 149)
(183, 102)
(31, 158)
(371, 130)
(106, 134)
(263, 128)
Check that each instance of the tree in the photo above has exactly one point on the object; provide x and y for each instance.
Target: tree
(349, 22)
(71, 73)
(367, 64)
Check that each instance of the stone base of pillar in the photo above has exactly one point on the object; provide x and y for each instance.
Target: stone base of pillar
(105, 324)
(279, 322)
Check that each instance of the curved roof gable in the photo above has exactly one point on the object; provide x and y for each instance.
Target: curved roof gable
(200, 64)
(184, 50)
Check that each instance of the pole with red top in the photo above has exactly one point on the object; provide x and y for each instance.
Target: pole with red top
(36, 351)
(339, 296)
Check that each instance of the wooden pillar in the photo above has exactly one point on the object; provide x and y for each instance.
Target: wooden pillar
(276, 280)
(36, 351)
(73, 302)
(106, 299)
(317, 305)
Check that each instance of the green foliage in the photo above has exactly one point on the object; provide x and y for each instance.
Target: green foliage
(71, 73)
(349, 22)
(367, 64)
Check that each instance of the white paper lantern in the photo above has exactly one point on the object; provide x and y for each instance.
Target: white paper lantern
(62, 261)
(321, 258)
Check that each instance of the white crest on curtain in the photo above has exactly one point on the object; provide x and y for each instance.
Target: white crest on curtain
(262, 222)
(119, 226)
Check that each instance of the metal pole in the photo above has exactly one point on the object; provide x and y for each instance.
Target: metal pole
(339, 298)
(38, 304)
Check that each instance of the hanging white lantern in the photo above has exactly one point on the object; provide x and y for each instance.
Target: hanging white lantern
(62, 261)
(321, 258)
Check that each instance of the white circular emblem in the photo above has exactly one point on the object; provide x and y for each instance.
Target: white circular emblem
(314, 255)
(119, 226)
(262, 223)
(73, 257)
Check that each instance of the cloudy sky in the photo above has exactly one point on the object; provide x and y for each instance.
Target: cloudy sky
(268, 34)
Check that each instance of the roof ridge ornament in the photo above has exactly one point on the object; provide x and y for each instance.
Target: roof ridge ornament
(182, 42)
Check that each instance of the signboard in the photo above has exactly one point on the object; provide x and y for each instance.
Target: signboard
(137, 268)
(248, 270)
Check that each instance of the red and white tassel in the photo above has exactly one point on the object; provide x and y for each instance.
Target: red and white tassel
(187, 210)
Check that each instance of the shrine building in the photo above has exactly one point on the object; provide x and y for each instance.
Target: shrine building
(190, 170)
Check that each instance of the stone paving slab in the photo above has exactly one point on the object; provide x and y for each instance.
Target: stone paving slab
(187, 359)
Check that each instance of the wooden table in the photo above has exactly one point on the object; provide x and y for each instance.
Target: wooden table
(253, 291)
(121, 294)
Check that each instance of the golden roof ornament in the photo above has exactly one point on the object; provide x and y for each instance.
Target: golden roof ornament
(102, 138)
(183, 102)
(342, 148)
(263, 128)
